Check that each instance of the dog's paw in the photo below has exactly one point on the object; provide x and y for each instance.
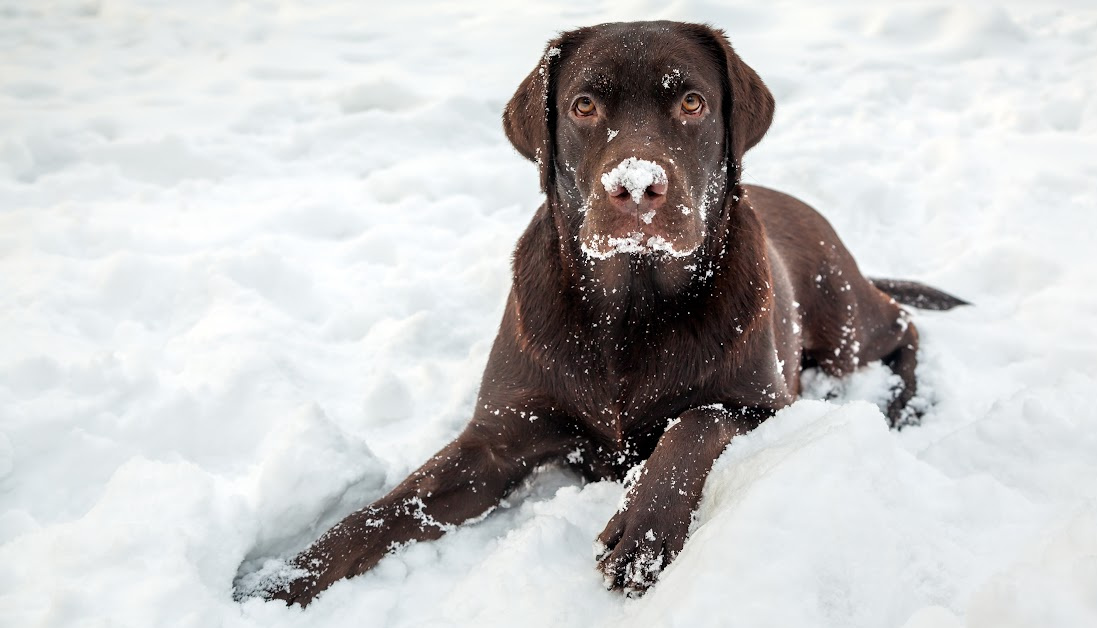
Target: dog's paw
(278, 580)
(635, 548)
(297, 581)
(301, 588)
(905, 410)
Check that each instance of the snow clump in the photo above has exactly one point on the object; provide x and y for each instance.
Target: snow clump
(635, 175)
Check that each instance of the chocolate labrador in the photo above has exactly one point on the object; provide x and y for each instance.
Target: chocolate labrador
(659, 307)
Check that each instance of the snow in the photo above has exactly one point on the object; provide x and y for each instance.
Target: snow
(674, 77)
(252, 258)
(605, 247)
(635, 175)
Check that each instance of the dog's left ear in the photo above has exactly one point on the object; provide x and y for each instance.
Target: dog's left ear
(749, 105)
(528, 118)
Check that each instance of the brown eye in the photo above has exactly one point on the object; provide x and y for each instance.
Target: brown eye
(584, 106)
(692, 104)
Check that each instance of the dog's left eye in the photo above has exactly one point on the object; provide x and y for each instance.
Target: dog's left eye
(692, 104)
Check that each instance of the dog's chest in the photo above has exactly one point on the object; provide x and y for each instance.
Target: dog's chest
(625, 407)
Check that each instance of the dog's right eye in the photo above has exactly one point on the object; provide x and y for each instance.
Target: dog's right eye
(583, 106)
(692, 103)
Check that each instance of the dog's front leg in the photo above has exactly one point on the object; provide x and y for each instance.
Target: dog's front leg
(650, 528)
(463, 481)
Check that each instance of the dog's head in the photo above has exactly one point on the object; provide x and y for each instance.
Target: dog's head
(638, 128)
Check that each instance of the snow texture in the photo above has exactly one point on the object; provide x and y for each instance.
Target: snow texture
(635, 175)
(605, 247)
(253, 256)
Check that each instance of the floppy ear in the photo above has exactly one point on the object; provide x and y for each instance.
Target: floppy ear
(748, 106)
(528, 118)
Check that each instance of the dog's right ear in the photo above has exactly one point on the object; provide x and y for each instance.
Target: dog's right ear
(528, 120)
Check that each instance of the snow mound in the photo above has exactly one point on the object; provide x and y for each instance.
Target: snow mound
(823, 498)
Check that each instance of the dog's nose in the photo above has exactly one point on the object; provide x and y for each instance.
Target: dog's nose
(652, 197)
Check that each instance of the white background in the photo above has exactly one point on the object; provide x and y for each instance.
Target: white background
(252, 257)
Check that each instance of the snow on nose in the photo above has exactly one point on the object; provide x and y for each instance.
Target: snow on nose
(636, 176)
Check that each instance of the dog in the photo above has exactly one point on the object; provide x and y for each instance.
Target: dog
(659, 306)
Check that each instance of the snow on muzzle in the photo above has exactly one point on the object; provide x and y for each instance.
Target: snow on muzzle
(636, 176)
(629, 222)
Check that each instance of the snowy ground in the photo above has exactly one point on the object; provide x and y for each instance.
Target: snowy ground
(252, 258)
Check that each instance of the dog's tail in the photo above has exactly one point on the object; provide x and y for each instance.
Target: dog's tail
(917, 295)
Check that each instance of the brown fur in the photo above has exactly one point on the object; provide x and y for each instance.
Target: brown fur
(596, 357)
